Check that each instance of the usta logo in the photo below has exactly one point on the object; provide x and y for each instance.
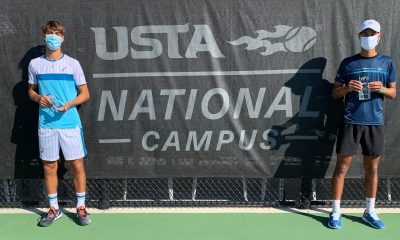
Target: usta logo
(297, 39)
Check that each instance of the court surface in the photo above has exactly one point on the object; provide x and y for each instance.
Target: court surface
(204, 224)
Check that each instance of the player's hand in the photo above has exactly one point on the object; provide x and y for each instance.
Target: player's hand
(375, 86)
(355, 85)
(45, 101)
(67, 106)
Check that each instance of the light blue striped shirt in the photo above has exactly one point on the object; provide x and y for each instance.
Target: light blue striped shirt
(59, 78)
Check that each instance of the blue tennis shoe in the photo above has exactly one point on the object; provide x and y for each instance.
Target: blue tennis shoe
(335, 220)
(372, 219)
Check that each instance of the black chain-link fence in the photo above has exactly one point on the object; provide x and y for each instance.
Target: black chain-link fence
(198, 192)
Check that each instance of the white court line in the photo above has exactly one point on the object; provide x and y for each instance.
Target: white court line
(200, 210)
(207, 73)
(120, 140)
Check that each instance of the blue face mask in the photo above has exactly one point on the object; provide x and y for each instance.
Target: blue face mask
(53, 42)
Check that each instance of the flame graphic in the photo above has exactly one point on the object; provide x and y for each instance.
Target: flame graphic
(297, 40)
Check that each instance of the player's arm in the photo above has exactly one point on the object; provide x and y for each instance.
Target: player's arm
(389, 91)
(83, 96)
(339, 90)
(34, 96)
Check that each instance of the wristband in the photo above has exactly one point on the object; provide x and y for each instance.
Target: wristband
(383, 90)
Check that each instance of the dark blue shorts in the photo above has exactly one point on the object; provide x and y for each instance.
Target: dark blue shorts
(370, 137)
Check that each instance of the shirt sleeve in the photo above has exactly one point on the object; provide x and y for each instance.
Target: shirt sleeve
(79, 76)
(392, 73)
(341, 74)
(31, 75)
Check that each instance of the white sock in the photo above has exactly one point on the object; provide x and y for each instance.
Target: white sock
(370, 204)
(53, 200)
(335, 205)
(81, 196)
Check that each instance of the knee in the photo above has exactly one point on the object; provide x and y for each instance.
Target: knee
(50, 168)
(371, 170)
(77, 166)
(341, 169)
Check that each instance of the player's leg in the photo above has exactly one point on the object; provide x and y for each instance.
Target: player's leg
(78, 170)
(73, 147)
(371, 177)
(373, 147)
(342, 165)
(346, 146)
(49, 152)
(51, 181)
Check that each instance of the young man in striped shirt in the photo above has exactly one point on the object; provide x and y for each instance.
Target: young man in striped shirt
(58, 85)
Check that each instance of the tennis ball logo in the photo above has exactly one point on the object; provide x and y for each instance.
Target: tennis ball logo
(300, 39)
(286, 39)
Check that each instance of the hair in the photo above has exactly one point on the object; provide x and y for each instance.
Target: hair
(54, 25)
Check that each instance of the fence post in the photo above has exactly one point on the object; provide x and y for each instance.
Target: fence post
(314, 189)
(171, 189)
(194, 188)
(6, 190)
(389, 189)
(304, 199)
(281, 190)
(244, 182)
(125, 189)
(263, 189)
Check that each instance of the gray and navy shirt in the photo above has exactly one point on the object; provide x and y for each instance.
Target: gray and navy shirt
(61, 79)
(378, 68)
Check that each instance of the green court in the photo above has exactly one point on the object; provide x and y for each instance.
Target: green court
(193, 226)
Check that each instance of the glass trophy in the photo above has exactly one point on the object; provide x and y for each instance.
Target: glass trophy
(365, 93)
(57, 104)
